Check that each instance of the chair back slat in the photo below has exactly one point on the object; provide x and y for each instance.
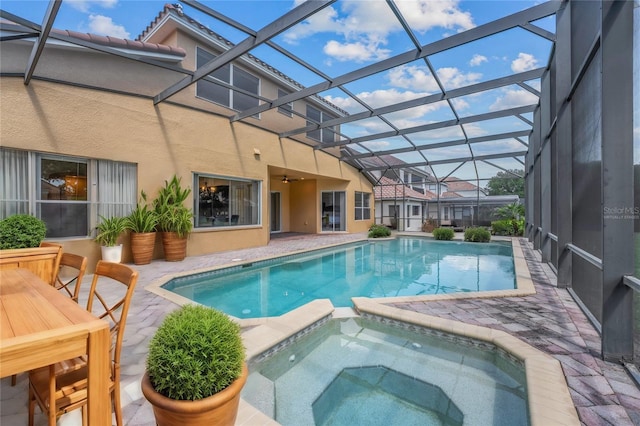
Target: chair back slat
(113, 309)
(70, 274)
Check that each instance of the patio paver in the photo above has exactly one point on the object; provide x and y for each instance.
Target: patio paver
(549, 320)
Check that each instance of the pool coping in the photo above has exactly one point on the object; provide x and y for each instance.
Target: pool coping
(548, 397)
(524, 283)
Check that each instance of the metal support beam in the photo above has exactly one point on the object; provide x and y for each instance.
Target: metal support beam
(545, 167)
(38, 46)
(300, 13)
(563, 185)
(534, 13)
(617, 176)
(479, 139)
(433, 126)
(448, 161)
(426, 100)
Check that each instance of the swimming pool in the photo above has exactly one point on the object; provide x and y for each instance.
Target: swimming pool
(403, 266)
(356, 371)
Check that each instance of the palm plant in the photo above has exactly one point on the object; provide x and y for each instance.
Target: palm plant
(110, 229)
(173, 216)
(142, 218)
(514, 213)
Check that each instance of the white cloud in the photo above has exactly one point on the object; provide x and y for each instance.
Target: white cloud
(85, 5)
(376, 145)
(424, 15)
(452, 77)
(362, 27)
(412, 77)
(459, 104)
(420, 79)
(104, 25)
(358, 52)
(375, 99)
(513, 98)
(477, 60)
(525, 62)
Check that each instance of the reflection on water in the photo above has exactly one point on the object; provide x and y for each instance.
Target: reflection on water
(400, 267)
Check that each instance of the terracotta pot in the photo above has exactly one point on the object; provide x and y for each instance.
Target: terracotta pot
(220, 409)
(142, 245)
(175, 248)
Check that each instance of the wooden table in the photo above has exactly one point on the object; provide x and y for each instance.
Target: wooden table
(40, 326)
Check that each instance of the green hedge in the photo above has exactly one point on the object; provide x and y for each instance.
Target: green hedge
(21, 231)
(379, 231)
(443, 234)
(508, 227)
(477, 235)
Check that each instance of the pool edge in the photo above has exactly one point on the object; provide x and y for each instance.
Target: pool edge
(549, 400)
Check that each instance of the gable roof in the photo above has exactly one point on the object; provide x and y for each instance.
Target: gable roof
(389, 189)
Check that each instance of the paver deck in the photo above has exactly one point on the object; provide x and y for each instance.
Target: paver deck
(550, 320)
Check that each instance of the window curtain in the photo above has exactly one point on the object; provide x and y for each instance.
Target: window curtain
(14, 182)
(117, 189)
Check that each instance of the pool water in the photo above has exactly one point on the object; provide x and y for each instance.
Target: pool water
(397, 267)
(359, 371)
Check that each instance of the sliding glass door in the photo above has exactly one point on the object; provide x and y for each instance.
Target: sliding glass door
(333, 211)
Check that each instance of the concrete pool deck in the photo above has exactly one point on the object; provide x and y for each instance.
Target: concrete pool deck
(549, 320)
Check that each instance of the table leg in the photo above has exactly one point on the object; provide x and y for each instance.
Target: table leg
(98, 398)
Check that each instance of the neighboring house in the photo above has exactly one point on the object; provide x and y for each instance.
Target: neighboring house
(88, 117)
(452, 201)
(400, 206)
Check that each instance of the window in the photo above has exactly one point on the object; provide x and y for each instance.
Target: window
(415, 210)
(230, 74)
(286, 109)
(363, 210)
(224, 201)
(60, 191)
(316, 116)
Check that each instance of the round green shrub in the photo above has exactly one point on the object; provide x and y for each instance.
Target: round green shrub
(379, 231)
(21, 231)
(196, 352)
(443, 234)
(477, 235)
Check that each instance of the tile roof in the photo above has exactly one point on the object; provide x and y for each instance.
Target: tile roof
(455, 184)
(121, 43)
(390, 189)
(450, 194)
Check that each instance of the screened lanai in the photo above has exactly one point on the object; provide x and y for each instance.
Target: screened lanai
(562, 120)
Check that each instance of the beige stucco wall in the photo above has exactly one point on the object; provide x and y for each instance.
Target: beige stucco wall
(167, 139)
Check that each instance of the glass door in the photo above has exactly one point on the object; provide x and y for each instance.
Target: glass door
(333, 211)
(275, 219)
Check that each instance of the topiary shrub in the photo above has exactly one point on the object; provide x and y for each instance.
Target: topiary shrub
(379, 231)
(477, 235)
(443, 234)
(21, 231)
(196, 352)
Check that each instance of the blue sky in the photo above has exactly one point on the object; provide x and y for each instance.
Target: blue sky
(351, 34)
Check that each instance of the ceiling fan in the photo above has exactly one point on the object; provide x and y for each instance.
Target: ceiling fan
(285, 179)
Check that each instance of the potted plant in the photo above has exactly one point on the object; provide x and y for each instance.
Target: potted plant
(108, 232)
(174, 218)
(142, 222)
(195, 368)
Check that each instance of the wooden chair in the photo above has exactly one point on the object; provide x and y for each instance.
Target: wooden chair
(42, 261)
(68, 380)
(70, 273)
(69, 278)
